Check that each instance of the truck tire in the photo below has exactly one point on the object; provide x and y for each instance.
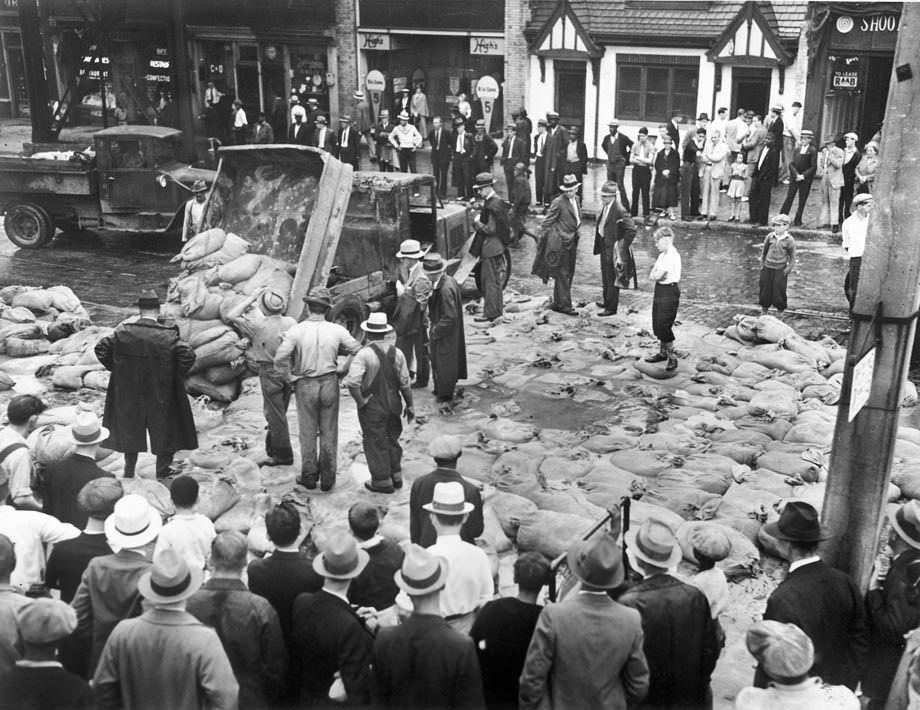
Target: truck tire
(348, 313)
(28, 226)
(504, 271)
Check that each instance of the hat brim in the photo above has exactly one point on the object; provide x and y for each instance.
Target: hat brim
(892, 518)
(615, 579)
(772, 529)
(416, 255)
(148, 534)
(570, 188)
(467, 508)
(480, 185)
(421, 591)
(631, 548)
(319, 566)
(196, 577)
(435, 271)
(318, 302)
(102, 436)
(376, 330)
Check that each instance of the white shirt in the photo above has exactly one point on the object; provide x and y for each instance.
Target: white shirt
(714, 585)
(792, 126)
(667, 267)
(30, 531)
(321, 137)
(854, 230)
(345, 132)
(605, 214)
(810, 694)
(459, 148)
(405, 136)
(239, 119)
(541, 143)
(16, 467)
(574, 200)
(189, 534)
(469, 577)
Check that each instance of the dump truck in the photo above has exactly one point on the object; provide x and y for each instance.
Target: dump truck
(341, 228)
(127, 180)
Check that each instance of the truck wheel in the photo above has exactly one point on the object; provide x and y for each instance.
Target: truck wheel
(504, 271)
(28, 226)
(348, 313)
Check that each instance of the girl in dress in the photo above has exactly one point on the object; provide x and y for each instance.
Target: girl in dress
(736, 186)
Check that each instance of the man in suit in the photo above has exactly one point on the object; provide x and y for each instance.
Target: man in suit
(279, 119)
(617, 146)
(299, 132)
(558, 245)
(348, 141)
(775, 127)
(641, 157)
(822, 601)
(323, 136)
(612, 240)
(364, 122)
(691, 156)
(712, 170)
(493, 228)
(667, 174)
(539, 162)
(556, 140)
(446, 339)
(681, 641)
(440, 141)
(832, 162)
(752, 145)
(386, 153)
(514, 151)
(763, 181)
(586, 651)
(330, 639)
(802, 171)
(263, 133)
(576, 156)
(462, 151)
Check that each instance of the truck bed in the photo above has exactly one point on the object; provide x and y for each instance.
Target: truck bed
(20, 176)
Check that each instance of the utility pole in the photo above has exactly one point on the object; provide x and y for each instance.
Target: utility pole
(884, 321)
(181, 70)
(36, 76)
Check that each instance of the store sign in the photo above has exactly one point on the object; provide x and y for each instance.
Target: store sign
(487, 46)
(487, 88)
(870, 23)
(375, 81)
(374, 40)
(845, 80)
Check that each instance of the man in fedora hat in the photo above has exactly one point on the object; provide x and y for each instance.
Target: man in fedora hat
(166, 656)
(63, 479)
(515, 149)
(265, 325)
(308, 356)
(802, 167)
(146, 393)
(822, 601)
(348, 141)
(586, 651)
(193, 213)
(493, 234)
(38, 680)
(469, 579)
(108, 589)
(329, 637)
(613, 238)
(403, 101)
(406, 139)
(462, 156)
(375, 380)
(446, 339)
(675, 616)
(484, 149)
(423, 662)
(617, 146)
(446, 450)
(386, 153)
(557, 138)
(364, 122)
(893, 602)
(410, 318)
(558, 245)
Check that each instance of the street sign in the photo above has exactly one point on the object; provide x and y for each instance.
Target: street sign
(862, 383)
(375, 81)
(487, 91)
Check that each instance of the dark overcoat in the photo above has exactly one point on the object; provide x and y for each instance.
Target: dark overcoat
(146, 391)
(615, 246)
(558, 242)
(446, 337)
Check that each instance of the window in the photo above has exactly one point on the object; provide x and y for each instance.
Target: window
(651, 92)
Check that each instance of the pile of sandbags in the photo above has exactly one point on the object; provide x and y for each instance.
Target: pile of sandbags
(217, 274)
(32, 318)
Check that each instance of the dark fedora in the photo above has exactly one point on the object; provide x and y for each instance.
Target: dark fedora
(148, 299)
(319, 296)
(799, 522)
(483, 180)
(597, 561)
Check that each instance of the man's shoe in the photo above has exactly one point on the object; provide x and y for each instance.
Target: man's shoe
(568, 311)
(797, 223)
(326, 487)
(272, 461)
(606, 312)
(672, 364)
(374, 489)
(306, 483)
(482, 319)
(599, 304)
(657, 357)
(418, 385)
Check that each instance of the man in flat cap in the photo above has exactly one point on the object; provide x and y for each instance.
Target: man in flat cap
(802, 168)
(493, 235)
(323, 136)
(146, 394)
(193, 213)
(514, 151)
(854, 232)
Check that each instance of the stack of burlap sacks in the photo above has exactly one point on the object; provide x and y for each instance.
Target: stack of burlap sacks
(217, 273)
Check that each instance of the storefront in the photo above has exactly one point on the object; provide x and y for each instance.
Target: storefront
(14, 96)
(852, 56)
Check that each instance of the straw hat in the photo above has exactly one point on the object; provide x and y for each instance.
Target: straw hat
(87, 429)
(410, 249)
(376, 323)
(448, 499)
(421, 572)
(133, 523)
(272, 301)
(906, 522)
(342, 559)
(654, 542)
(433, 263)
(170, 579)
(569, 183)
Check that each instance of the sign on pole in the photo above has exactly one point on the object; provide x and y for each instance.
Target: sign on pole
(487, 91)
(862, 383)
(375, 83)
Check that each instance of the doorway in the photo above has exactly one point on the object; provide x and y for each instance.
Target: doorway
(570, 92)
(878, 79)
(750, 90)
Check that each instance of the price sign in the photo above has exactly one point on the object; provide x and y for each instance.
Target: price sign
(862, 383)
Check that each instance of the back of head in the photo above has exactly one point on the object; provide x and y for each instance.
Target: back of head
(363, 519)
(22, 407)
(7, 558)
(531, 571)
(282, 524)
(184, 492)
(228, 552)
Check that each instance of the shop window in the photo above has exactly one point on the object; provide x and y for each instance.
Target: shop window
(651, 92)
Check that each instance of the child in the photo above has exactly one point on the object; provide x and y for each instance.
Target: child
(711, 545)
(736, 186)
(776, 261)
(187, 532)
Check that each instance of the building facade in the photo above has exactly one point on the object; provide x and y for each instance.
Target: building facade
(14, 95)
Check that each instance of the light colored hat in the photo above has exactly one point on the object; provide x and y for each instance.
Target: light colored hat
(98, 497)
(805, 132)
(597, 561)
(906, 523)
(448, 499)
(403, 116)
(313, 101)
(298, 111)
(860, 198)
(133, 523)
(376, 323)
(613, 122)
(480, 123)
(170, 579)
(87, 429)
(445, 447)
(780, 219)
(359, 94)
(320, 118)
(199, 186)
(569, 183)
(784, 650)
(852, 135)
(777, 108)
(295, 98)
(345, 118)
(610, 188)
(433, 263)
(272, 301)
(44, 621)
(411, 249)
(341, 559)
(711, 542)
(421, 572)
(385, 112)
(654, 542)
(552, 114)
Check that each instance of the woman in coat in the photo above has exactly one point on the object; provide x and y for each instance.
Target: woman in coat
(851, 158)
(867, 168)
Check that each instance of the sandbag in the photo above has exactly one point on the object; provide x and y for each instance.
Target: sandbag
(550, 533)
(219, 351)
(751, 372)
(23, 331)
(191, 330)
(474, 463)
(656, 371)
(206, 417)
(236, 271)
(38, 300)
(672, 443)
(198, 385)
(709, 480)
(224, 374)
(820, 433)
(79, 342)
(775, 429)
(517, 473)
(743, 501)
(189, 292)
(744, 559)
(711, 462)
(155, 492)
(215, 496)
(640, 511)
(605, 443)
(71, 377)
(558, 468)
(97, 380)
(232, 248)
(64, 299)
(199, 338)
(571, 500)
(210, 459)
(245, 474)
(812, 351)
(510, 509)
(763, 479)
(492, 532)
(6, 382)
(229, 302)
(791, 464)
(18, 347)
(239, 517)
(777, 359)
(208, 309)
(202, 244)
(605, 484)
(747, 436)
(835, 368)
(742, 452)
(771, 329)
(508, 430)
(16, 315)
(642, 463)
(272, 275)
(774, 403)
(682, 500)
(395, 524)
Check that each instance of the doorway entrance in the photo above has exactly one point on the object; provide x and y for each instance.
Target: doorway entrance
(570, 92)
(750, 90)
(878, 78)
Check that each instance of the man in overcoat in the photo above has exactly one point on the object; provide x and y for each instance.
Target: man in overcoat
(484, 149)
(493, 229)
(446, 339)
(146, 393)
(557, 138)
(612, 240)
(558, 245)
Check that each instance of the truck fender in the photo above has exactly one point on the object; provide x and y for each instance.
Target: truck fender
(175, 224)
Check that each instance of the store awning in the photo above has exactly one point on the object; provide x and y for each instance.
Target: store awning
(564, 37)
(750, 40)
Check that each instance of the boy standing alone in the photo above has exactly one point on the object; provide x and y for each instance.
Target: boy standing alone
(776, 261)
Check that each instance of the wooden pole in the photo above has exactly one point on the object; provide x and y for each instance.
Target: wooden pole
(36, 77)
(181, 71)
(863, 449)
